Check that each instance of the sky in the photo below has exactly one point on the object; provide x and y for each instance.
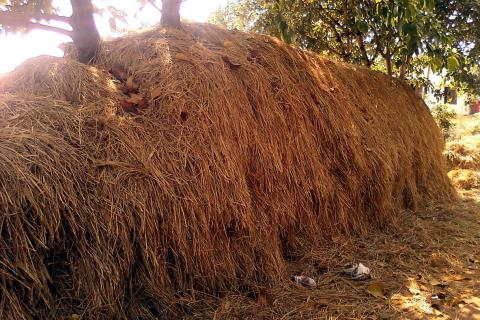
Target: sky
(16, 48)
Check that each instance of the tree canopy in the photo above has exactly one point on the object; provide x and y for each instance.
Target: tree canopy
(396, 36)
(461, 25)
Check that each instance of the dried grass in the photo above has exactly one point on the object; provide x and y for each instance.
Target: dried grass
(434, 250)
(464, 153)
(251, 151)
(463, 149)
(465, 178)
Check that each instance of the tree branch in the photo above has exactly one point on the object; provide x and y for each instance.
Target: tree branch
(54, 17)
(18, 16)
(25, 21)
(363, 50)
(153, 4)
(39, 26)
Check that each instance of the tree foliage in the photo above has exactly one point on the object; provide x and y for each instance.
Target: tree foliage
(394, 35)
(461, 25)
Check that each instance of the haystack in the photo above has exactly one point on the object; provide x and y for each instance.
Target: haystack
(463, 153)
(234, 152)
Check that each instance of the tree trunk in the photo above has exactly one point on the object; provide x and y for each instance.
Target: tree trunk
(404, 67)
(84, 31)
(388, 61)
(171, 13)
(363, 50)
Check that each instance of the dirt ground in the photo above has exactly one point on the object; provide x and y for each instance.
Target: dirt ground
(427, 266)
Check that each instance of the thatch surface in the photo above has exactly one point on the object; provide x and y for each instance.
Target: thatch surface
(248, 150)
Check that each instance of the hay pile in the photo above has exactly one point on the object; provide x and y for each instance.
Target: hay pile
(463, 148)
(242, 151)
(465, 178)
(463, 154)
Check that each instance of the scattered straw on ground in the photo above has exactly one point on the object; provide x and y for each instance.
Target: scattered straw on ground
(465, 178)
(432, 253)
(463, 149)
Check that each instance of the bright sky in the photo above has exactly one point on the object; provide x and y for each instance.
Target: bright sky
(14, 49)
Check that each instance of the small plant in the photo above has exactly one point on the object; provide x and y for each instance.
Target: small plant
(444, 117)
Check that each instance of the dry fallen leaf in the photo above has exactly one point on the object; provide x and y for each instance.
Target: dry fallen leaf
(456, 301)
(253, 54)
(182, 57)
(227, 44)
(232, 64)
(137, 99)
(130, 86)
(156, 92)
(118, 72)
(437, 283)
(129, 107)
(321, 303)
(454, 277)
(376, 289)
(264, 298)
(75, 317)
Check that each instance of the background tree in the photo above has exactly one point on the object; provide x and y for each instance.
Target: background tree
(169, 10)
(387, 34)
(24, 15)
(461, 25)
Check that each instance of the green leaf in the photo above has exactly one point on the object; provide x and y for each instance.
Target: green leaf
(430, 4)
(410, 29)
(429, 48)
(452, 63)
(384, 12)
(412, 45)
(436, 64)
(362, 26)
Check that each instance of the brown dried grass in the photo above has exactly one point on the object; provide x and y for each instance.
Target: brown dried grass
(430, 251)
(464, 153)
(252, 150)
(465, 178)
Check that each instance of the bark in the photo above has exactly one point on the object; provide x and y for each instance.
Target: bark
(363, 50)
(404, 68)
(171, 13)
(388, 61)
(85, 34)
